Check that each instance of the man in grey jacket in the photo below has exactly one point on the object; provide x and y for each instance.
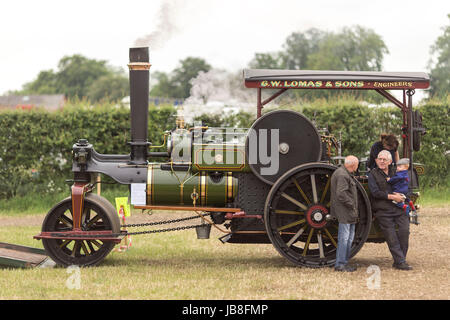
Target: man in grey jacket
(344, 207)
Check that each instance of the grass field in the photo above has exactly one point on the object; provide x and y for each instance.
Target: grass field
(178, 266)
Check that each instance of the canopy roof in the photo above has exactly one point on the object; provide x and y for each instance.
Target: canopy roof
(315, 79)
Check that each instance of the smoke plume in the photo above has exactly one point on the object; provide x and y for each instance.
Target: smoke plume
(166, 27)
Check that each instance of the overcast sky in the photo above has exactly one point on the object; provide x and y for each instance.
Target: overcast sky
(35, 35)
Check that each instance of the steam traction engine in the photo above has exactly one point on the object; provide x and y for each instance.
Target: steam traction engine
(266, 184)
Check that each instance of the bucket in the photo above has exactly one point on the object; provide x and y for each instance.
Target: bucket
(203, 231)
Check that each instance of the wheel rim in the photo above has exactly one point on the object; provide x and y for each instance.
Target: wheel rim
(77, 252)
(295, 217)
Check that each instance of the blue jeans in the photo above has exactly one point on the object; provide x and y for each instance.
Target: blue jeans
(346, 233)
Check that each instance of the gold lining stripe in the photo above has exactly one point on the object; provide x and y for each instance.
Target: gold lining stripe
(203, 188)
(229, 186)
(236, 166)
(226, 187)
(199, 188)
(206, 189)
(181, 194)
(233, 190)
(149, 184)
(139, 66)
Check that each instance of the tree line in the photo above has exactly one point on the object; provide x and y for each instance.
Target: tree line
(352, 48)
(80, 77)
(40, 161)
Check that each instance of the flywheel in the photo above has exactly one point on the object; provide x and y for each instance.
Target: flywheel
(279, 141)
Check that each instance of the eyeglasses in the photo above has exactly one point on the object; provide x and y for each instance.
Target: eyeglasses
(382, 159)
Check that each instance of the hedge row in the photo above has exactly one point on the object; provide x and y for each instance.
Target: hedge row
(359, 126)
(35, 146)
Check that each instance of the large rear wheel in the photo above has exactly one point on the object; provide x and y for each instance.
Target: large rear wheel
(98, 215)
(295, 216)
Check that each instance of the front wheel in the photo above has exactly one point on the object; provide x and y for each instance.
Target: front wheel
(98, 215)
(296, 212)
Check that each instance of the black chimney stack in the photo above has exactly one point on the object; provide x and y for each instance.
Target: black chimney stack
(139, 93)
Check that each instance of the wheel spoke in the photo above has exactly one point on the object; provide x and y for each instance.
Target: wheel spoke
(66, 221)
(301, 191)
(76, 249)
(289, 212)
(96, 243)
(319, 241)
(305, 250)
(86, 215)
(313, 185)
(65, 243)
(83, 246)
(296, 202)
(91, 247)
(330, 237)
(295, 237)
(92, 221)
(291, 224)
(325, 190)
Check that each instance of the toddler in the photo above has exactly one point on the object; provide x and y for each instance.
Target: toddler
(400, 184)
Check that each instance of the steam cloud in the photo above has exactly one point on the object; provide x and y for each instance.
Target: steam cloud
(166, 27)
(217, 92)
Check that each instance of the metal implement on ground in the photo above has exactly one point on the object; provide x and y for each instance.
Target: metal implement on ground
(13, 255)
(266, 184)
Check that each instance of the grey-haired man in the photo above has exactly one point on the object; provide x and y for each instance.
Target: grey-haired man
(387, 213)
(344, 207)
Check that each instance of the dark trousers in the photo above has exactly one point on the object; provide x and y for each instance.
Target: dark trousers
(397, 238)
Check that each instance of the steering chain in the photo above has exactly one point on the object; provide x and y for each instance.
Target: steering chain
(163, 222)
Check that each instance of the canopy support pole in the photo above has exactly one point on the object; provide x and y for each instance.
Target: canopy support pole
(260, 103)
(410, 93)
(405, 128)
(393, 99)
(406, 108)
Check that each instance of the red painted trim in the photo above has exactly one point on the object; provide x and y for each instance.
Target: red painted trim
(78, 191)
(335, 84)
(185, 208)
(81, 235)
(241, 214)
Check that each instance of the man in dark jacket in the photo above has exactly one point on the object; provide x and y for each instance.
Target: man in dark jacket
(344, 207)
(387, 213)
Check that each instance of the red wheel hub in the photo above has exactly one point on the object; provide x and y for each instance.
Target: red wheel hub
(316, 216)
